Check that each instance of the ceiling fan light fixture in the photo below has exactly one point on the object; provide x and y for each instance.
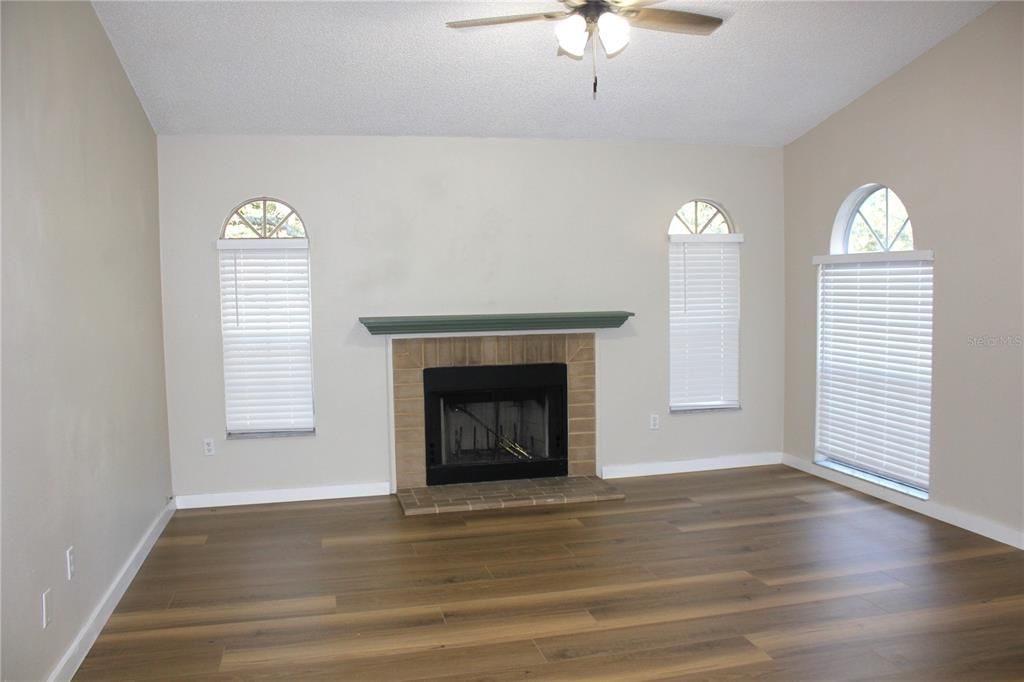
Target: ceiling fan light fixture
(613, 31)
(572, 35)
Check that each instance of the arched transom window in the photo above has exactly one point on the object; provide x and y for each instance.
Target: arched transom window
(700, 217)
(874, 220)
(264, 218)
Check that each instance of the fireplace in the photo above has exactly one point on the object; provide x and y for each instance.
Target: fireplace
(412, 357)
(490, 423)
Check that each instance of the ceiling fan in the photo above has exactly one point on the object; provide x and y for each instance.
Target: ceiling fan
(609, 19)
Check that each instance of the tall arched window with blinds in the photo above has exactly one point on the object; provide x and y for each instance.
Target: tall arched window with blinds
(704, 308)
(875, 345)
(266, 321)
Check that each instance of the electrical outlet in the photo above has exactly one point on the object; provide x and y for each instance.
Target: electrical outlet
(47, 616)
(655, 422)
(208, 447)
(69, 557)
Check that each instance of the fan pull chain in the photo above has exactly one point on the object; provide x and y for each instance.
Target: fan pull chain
(593, 54)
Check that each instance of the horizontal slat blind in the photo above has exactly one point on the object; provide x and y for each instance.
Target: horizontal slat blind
(266, 326)
(704, 323)
(875, 367)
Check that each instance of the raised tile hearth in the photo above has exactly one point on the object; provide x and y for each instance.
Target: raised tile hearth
(527, 492)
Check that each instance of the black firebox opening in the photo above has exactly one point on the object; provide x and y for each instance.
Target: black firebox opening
(495, 423)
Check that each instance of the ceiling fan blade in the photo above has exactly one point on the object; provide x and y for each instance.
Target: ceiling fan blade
(672, 21)
(632, 4)
(511, 19)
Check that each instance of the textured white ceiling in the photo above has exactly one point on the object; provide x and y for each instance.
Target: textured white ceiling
(773, 71)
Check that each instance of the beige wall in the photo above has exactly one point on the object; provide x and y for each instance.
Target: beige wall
(946, 134)
(85, 436)
(433, 225)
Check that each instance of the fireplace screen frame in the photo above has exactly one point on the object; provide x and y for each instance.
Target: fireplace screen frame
(442, 383)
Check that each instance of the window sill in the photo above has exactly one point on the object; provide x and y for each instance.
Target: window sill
(872, 478)
(248, 435)
(703, 408)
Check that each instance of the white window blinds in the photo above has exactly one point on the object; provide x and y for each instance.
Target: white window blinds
(704, 321)
(266, 326)
(875, 363)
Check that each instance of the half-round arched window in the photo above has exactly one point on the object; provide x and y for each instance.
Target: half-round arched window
(875, 310)
(704, 308)
(700, 217)
(266, 321)
(872, 220)
(264, 218)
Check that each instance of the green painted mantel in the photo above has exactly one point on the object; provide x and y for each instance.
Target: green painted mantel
(457, 324)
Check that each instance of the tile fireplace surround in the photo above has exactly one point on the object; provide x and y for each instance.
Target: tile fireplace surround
(410, 356)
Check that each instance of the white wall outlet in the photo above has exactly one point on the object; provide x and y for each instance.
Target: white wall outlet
(655, 422)
(69, 560)
(208, 447)
(47, 615)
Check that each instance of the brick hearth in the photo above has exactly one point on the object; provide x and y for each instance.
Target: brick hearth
(529, 492)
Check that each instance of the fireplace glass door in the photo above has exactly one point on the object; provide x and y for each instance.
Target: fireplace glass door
(493, 423)
(492, 428)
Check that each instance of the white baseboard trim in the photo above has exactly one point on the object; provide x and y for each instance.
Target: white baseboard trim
(683, 466)
(327, 492)
(75, 654)
(960, 519)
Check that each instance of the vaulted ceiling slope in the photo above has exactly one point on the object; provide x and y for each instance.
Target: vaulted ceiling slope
(771, 72)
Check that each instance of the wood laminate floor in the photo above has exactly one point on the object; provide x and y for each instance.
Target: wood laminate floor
(764, 573)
